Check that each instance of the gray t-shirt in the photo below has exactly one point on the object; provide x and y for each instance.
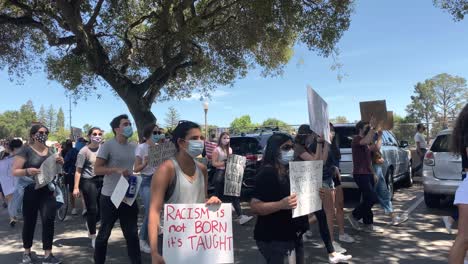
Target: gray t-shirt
(85, 161)
(117, 156)
(32, 158)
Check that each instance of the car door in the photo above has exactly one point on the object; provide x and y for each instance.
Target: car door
(447, 165)
(390, 153)
(402, 155)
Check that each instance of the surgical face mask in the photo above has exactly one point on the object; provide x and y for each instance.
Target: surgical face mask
(127, 131)
(96, 139)
(41, 138)
(225, 141)
(157, 138)
(195, 148)
(286, 156)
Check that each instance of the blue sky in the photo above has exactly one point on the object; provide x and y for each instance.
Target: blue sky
(390, 46)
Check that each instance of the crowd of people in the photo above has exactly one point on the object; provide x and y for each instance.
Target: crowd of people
(92, 169)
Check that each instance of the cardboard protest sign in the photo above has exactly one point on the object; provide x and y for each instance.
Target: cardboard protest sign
(234, 173)
(159, 153)
(318, 114)
(197, 233)
(389, 123)
(306, 181)
(377, 109)
(49, 168)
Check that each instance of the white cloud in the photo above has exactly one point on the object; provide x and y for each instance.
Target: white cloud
(215, 94)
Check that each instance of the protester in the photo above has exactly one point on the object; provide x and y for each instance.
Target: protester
(27, 164)
(460, 147)
(115, 158)
(87, 182)
(364, 176)
(7, 180)
(152, 135)
(383, 194)
(180, 180)
(277, 234)
(303, 151)
(421, 145)
(219, 159)
(69, 168)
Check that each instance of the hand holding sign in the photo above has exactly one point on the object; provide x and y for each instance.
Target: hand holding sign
(289, 202)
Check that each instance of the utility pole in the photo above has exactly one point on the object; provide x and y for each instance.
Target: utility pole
(70, 116)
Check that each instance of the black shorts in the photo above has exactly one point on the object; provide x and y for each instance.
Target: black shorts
(70, 181)
(336, 181)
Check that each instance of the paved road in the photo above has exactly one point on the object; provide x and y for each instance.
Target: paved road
(422, 239)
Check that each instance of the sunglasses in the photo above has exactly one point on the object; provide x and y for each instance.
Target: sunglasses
(97, 134)
(157, 133)
(287, 147)
(43, 132)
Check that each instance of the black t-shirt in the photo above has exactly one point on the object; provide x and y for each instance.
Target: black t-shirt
(33, 159)
(278, 226)
(464, 155)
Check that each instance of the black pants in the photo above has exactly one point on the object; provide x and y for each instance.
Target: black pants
(363, 211)
(323, 229)
(128, 216)
(219, 192)
(282, 252)
(42, 200)
(91, 190)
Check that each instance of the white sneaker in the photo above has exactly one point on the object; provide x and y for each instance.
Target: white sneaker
(447, 223)
(144, 247)
(399, 219)
(244, 219)
(338, 258)
(354, 223)
(74, 211)
(372, 229)
(338, 248)
(346, 238)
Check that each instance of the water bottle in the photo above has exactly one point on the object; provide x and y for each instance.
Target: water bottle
(132, 185)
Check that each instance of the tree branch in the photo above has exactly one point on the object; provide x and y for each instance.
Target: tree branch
(93, 18)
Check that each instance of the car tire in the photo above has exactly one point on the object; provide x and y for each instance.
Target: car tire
(390, 183)
(431, 200)
(408, 180)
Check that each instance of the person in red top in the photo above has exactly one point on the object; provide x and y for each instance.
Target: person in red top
(364, 176)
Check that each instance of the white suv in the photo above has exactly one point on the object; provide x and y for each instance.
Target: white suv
(441, 170)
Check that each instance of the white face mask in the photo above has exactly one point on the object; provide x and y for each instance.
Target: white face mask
(195, 148)
(225, 141)
(286, 156)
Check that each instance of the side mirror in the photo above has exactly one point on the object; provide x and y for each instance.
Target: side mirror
(404, 144)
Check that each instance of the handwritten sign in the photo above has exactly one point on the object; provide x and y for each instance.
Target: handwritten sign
(306, 181)
(377, 109)
(234, 173)
(318, 114)
(49, 168)
(196, 233)
(159, 153)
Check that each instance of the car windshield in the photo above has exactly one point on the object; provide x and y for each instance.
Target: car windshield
(344, 136)
(441, 144)
(245, 145)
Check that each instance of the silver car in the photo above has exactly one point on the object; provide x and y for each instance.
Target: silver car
(397, 166)
(441, 170)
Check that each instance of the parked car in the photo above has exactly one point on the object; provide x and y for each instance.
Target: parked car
(397, 165)
(441, 170)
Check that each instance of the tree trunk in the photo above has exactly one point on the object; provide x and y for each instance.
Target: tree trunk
(141, 112)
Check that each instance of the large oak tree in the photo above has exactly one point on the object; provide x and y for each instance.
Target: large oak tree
(147, 51)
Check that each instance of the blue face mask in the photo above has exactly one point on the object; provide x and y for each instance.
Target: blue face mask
(127, 131)
(286, 157)
(195, 148)
(156, 138)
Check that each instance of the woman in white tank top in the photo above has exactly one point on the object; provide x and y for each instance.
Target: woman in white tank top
(178, 180)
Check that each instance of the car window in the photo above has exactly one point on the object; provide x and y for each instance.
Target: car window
(391, 139)
(441, 144)
(245, 145)
(344, 136)
(385, 140)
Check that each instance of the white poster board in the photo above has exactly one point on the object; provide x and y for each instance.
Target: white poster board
(318, 114)
(159, 153)
(306, 181)
(118, 195)
(49, 168)
(234, 173)
(197, 233)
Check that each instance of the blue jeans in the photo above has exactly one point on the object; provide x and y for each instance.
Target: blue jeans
(381, 189)
(145, 193)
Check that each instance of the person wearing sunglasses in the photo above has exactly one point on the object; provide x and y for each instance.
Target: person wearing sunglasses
(153, 136)
(309, 147)
(180, 180)
(88, 182)
(27, 164)
(115, 159)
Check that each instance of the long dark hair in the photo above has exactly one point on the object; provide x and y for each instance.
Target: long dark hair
(272, 151)
(220, 143)
(460, 132)
(34, 130)
(335, 148)
(182, 130)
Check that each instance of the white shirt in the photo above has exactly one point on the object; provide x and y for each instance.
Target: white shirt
(142, 152)
(419, 137)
